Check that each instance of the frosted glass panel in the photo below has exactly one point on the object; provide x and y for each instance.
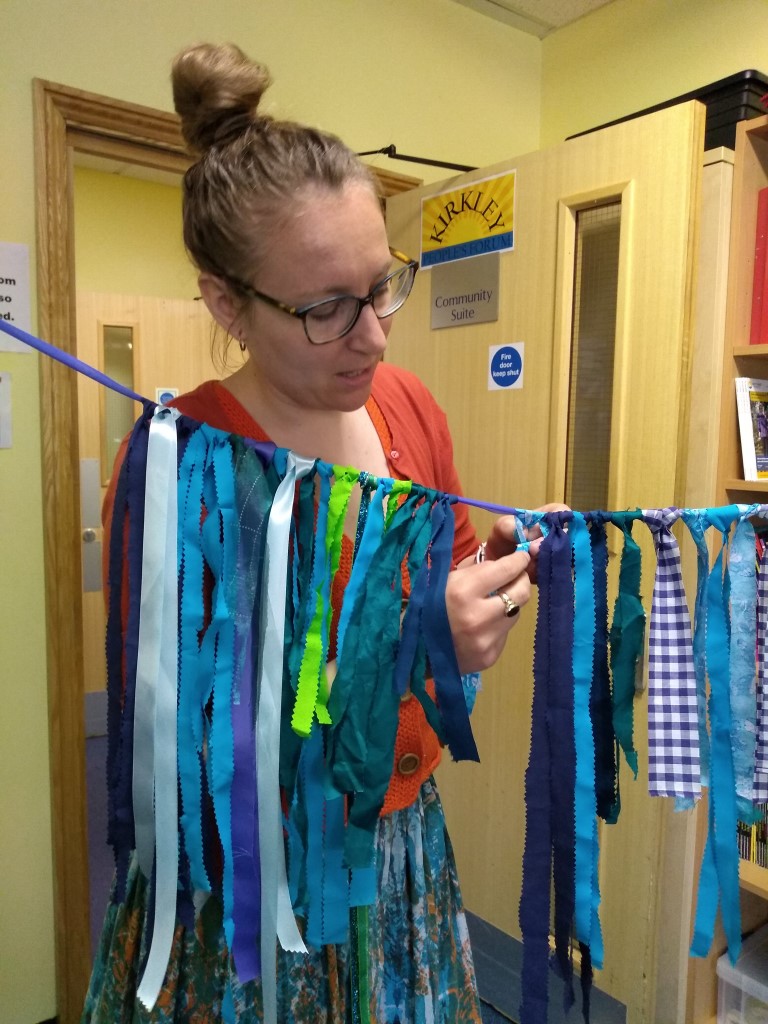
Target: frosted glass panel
(118, 412)
(592, 352)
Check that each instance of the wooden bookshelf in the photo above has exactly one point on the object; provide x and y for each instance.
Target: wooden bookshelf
(741, 358)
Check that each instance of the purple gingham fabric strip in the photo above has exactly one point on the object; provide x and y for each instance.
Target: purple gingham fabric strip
(761, 748)
(673, 731)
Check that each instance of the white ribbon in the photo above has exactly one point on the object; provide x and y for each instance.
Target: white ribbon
(154, 747)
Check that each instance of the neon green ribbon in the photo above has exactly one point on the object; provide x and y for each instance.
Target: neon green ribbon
(311, 694)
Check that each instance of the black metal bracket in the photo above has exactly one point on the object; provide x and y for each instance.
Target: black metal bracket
(391, 152)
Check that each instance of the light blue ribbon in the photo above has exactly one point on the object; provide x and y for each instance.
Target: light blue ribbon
(743, 590)
(155, 792)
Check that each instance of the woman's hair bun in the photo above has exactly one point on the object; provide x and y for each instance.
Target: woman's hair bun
(216, 93)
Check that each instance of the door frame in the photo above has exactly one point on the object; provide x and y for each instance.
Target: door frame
(68, 120)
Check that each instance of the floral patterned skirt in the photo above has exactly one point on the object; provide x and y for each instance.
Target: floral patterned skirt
(419, 963)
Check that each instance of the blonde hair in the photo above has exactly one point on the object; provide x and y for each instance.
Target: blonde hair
(248, 164)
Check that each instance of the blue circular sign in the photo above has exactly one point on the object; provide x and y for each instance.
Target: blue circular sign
(506, 366)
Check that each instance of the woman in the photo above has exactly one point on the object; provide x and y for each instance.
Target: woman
(285, 227)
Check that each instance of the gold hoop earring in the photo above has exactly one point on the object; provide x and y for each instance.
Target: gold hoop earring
(242, 345)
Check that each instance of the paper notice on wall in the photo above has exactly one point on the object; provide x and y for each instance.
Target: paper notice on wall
(14, 294)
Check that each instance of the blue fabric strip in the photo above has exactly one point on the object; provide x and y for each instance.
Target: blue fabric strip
(121, 643)
(253, 500)
(600, 706)
(222, 521)
(534, 913)
(560, 719)
(69, 360)
(439, 642)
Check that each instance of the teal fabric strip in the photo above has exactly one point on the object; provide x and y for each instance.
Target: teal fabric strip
(191, 716)
(362, 736)
(587, 897)
(366, 551)
(626, 639)
(720, 866)
(327, 878)
(160, 572)
(223, 518)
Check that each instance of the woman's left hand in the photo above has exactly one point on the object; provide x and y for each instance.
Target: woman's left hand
(480, 616)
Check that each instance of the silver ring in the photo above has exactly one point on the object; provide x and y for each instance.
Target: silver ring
(510, 608)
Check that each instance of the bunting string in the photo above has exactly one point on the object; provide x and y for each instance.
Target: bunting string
(235, 767)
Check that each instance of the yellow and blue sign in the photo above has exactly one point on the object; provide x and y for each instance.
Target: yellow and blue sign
(472, 220)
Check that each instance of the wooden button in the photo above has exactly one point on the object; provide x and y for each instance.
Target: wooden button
(408, 764)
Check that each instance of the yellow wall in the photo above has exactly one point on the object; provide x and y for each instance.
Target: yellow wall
(128, 237)
(427, 75)
(634, 54)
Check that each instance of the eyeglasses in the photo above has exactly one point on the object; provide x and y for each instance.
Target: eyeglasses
(332, 318)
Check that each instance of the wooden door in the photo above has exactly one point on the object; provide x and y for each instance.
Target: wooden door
(172, 343)
(510, 448)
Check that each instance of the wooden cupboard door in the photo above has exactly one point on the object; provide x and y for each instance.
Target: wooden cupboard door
(510, 449)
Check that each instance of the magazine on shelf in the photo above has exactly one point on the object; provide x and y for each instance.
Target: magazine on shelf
(752, 406)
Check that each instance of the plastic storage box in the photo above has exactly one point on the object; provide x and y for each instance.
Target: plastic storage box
(742, 988)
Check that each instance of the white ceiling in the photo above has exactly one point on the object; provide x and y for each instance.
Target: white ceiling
(537, 17)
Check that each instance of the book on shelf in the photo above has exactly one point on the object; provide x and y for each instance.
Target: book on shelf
(758, 328)
(752, 408)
